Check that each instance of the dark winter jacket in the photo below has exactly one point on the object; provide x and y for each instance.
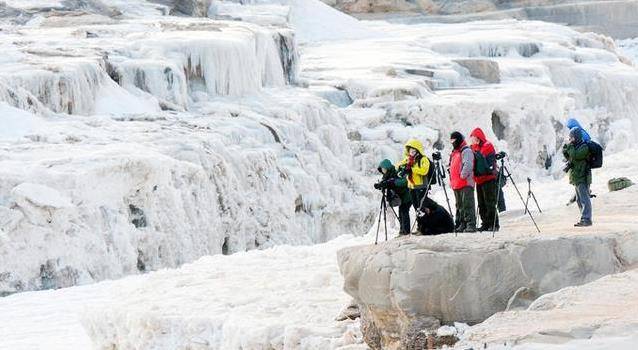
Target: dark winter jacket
(397, 184)
(577, 154)
(438, 221)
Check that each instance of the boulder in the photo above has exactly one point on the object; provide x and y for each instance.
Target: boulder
(196, 8)
(483, 69)
(421, 281)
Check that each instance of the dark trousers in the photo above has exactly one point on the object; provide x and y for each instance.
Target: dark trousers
(465, 212)
(417, 195)
(501, 201)
(404, 217)
(486, 198)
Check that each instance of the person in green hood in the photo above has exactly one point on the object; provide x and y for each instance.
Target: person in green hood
(392, 181)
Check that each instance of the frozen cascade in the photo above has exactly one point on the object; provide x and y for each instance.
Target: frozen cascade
(216, 58)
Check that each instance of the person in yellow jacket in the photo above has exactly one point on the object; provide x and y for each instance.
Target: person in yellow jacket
(415, 166)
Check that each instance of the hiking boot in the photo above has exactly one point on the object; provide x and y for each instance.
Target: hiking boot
(488, 228)
(470, 229)
(459, 228)
(403, 233)
(582, 224)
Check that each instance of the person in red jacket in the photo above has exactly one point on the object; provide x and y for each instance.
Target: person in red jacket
(462, 182)
(486, 186)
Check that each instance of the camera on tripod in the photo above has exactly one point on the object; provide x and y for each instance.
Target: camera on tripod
(500, 155)
(436, 155)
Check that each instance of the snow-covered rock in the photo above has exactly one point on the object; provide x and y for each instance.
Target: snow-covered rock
(598, 313)
(468, 278)
(610, 17)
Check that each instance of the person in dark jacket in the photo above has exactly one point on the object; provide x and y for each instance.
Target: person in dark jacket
(576, 153)
(486, 186)
(434, 219)
(392, 181)
(462, 182)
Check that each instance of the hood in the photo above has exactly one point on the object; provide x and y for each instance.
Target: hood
(573, 123)
(414, 143)
(576, 134)
(479, 134)
(386, 164)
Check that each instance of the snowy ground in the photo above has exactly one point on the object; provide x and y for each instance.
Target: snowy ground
(284, 297)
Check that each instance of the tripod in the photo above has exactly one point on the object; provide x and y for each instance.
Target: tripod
(505, 173)
(531, 195)
(383, 211)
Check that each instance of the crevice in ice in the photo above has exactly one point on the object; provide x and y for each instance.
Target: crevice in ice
(138, 217)
(497, 125)
(273, 132)
(225, 247)
(141, 265)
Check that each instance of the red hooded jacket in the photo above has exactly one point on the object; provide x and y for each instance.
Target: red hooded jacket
(487, 150)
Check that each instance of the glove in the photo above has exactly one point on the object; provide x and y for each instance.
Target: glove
(567, 167)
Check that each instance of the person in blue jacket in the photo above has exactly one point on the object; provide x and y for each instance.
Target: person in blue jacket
(573, 123)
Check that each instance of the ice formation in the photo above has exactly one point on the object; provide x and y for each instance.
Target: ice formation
(138, 135)
(165, 132)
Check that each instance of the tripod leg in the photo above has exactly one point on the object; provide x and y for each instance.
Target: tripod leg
(498, 197)
(385, 219)
(535, 201)
(509, 175)
(527, 203)
(376, 238)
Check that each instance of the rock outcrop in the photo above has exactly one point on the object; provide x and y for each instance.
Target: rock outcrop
(575, 313)
(611, 17)
(418, 282)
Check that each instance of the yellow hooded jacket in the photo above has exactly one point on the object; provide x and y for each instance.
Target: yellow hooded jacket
(420, 169)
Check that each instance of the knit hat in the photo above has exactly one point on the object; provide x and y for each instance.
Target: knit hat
(458, 139)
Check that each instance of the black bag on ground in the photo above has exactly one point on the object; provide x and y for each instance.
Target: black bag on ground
(595, 155)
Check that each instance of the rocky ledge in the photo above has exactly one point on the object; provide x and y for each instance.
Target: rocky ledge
(410, 285)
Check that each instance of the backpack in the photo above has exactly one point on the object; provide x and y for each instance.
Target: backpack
(619, 183)
(481, 166)
(595, 159)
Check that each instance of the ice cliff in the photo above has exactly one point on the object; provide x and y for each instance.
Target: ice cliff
(139, 135)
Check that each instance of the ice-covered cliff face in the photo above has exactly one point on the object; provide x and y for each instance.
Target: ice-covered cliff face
(136, 139)
(519, 81)
(133, 140)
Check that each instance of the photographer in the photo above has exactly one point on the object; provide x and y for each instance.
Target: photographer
(486, 186)
(434, 219)
(415, 166)
(576, 153)
(391, 181)
(462, 182)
